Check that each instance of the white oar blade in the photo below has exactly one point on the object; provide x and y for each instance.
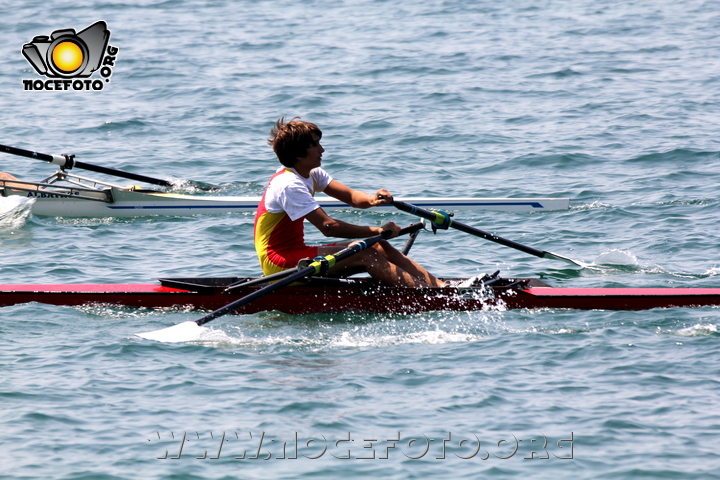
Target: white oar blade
(182, 332)
(555, 256)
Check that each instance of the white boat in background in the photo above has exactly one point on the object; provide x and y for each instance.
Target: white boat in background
(78, 196)
(68, 195)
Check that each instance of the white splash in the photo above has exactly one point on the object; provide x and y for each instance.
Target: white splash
(14, 210)
(699, 330)
(712, 272)
(431, 337)
(617, 257)
(591, 206)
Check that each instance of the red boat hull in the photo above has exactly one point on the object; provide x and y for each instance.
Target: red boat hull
(359, 295)
(613, 298)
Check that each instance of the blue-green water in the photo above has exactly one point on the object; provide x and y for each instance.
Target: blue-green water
(613, 104)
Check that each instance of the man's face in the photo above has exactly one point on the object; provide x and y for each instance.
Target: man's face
(313, 157)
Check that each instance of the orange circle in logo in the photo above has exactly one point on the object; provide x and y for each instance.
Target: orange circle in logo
(67, 56)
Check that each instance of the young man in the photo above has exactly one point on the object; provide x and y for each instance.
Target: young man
(288, 201)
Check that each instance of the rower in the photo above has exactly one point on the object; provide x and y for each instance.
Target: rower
(289, 199)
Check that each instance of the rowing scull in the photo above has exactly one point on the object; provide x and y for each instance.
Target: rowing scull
(326, 295)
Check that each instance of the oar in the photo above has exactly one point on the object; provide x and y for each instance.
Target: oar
(443, 220)
(68, 162)
(187, 331)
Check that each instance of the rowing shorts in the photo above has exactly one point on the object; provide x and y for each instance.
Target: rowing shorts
(276, 262)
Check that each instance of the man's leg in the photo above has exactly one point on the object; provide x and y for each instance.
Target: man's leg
(407, 264)
(385, 264)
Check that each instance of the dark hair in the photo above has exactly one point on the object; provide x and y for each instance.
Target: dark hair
(291, 140)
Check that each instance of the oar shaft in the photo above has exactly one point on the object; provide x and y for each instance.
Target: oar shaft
(61, 160)
(122, 174)
(494, 238)
(255, 295)
(258, 280)
(67, 161)
(439, 218)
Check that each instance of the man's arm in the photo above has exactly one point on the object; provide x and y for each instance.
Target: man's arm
(356, 198)
(331, 227)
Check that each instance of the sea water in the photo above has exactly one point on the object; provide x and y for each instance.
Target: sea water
(612, 104)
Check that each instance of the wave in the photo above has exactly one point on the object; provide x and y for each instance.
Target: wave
(677, 157)
(14, 211)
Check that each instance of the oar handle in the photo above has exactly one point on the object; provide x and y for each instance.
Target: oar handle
(442, 218)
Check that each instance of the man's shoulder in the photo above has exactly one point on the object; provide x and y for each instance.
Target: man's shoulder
(289, 182)
(321, 177)
(284, 176)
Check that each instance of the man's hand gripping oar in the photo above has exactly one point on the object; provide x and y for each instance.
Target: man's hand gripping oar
(443, 220)
(188, 331)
